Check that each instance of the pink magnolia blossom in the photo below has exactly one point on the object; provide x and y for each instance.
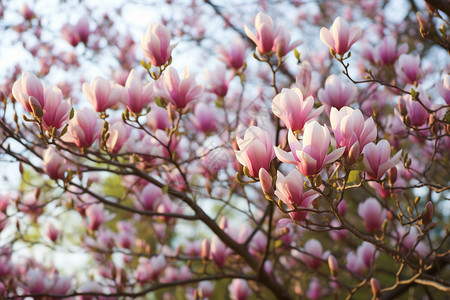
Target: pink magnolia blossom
(408, 68)
(443, 88)
(157, 118)
(101, 93)
(96, 215)
(56, 111)
(178, 92)
(233, 55)
(53, 163)
(70, 34)
(266, 181)
(265, 35)
(138, 95)
(217, 81)
(256, 150)
(290, 191)
(340, 37)
(293, 110)
(372, 214)
(282, 43)
(257, 244)
(363, 259)
(218, 251)
(239, 289)
(377, 159)
(417, 113)
(409, 240)
(312, 254)
(82, 28)
(303, 78)
(335, 94)
(51, 231)
(386, 53)
(310, 156)
(28, 85)
(314, 291)
(205, 289)
(118, 135)
(156, 44)
(204, 118)
(61, 285)
(150, 197)
(351, 130)
(338, 234)
(84, 128)
(37, 282)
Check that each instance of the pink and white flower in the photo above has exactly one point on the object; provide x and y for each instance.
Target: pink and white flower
(340, 37)
(156, 44)
(377, 159)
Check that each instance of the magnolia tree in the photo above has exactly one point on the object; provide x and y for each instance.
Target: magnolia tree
(303, 154)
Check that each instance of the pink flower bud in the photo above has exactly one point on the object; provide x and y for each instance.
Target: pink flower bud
(156, 44)
(52, 232)
(53, 163)
(387, 52)
(96, 215)
(118, 135)
(178, 92)
(377, 159)
(375, 286)
(290, 191)
(340, 37)
(282, 43)
(218, 251)
(293, 110)
(205, 118)
(28, 85)
(256, 150)
(349, 128)
(265, 34)
(158, 118)
(56, 111)
(70, 34)
(266, 182)
(333, 265)
(417, 113)
(334, 94)
(138, 96)
(372, 214)
(99, 94)
(218, 81)
(239, 289)
(303, 78)
(311, 156)
(233, 55)
(408, 68)
(443, 88)
(151, 197)
(312, 254)
(314, 291)
(84, 128)
(206, 245)
(205, 289)
(82, 28)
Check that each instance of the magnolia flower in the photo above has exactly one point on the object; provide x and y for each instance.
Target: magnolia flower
(137, 94)
(265, 35)
(282, 44)
(100, 94)
(303, 77)
(118, 135)
(377, 159)
(256, 150)
(351, 131)
(408, 68)
(233, 55)
(53, 163)
(340, 37)
(239, 289)
(290, 191)
(56, 111)
(312, 254)
(417, 113)
(443, 88)
(293, 110)
(310, 156)
(84, 128)
(156, 44)
(28, 85)
(179, 92)
(387, 52)
(372, 214)
(336, 94)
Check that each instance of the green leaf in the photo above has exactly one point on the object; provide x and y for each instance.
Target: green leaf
(353, 178)
(165, 189)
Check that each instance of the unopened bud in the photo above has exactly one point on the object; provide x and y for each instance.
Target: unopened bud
(402, 107)
(333, 265)
(353, 154)
(36, 107)
(375, 286)
(427, 213)
(223, 223)
(171, 112)
(205, 249)
(392, 176)
(424, 27)
(266, 183)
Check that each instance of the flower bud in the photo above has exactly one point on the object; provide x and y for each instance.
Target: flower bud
(333, 265)
(266, 183)
(205, 249)
(375, 286)
(36, 107)
(392, 176)
(402, 107)
(427, 213)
